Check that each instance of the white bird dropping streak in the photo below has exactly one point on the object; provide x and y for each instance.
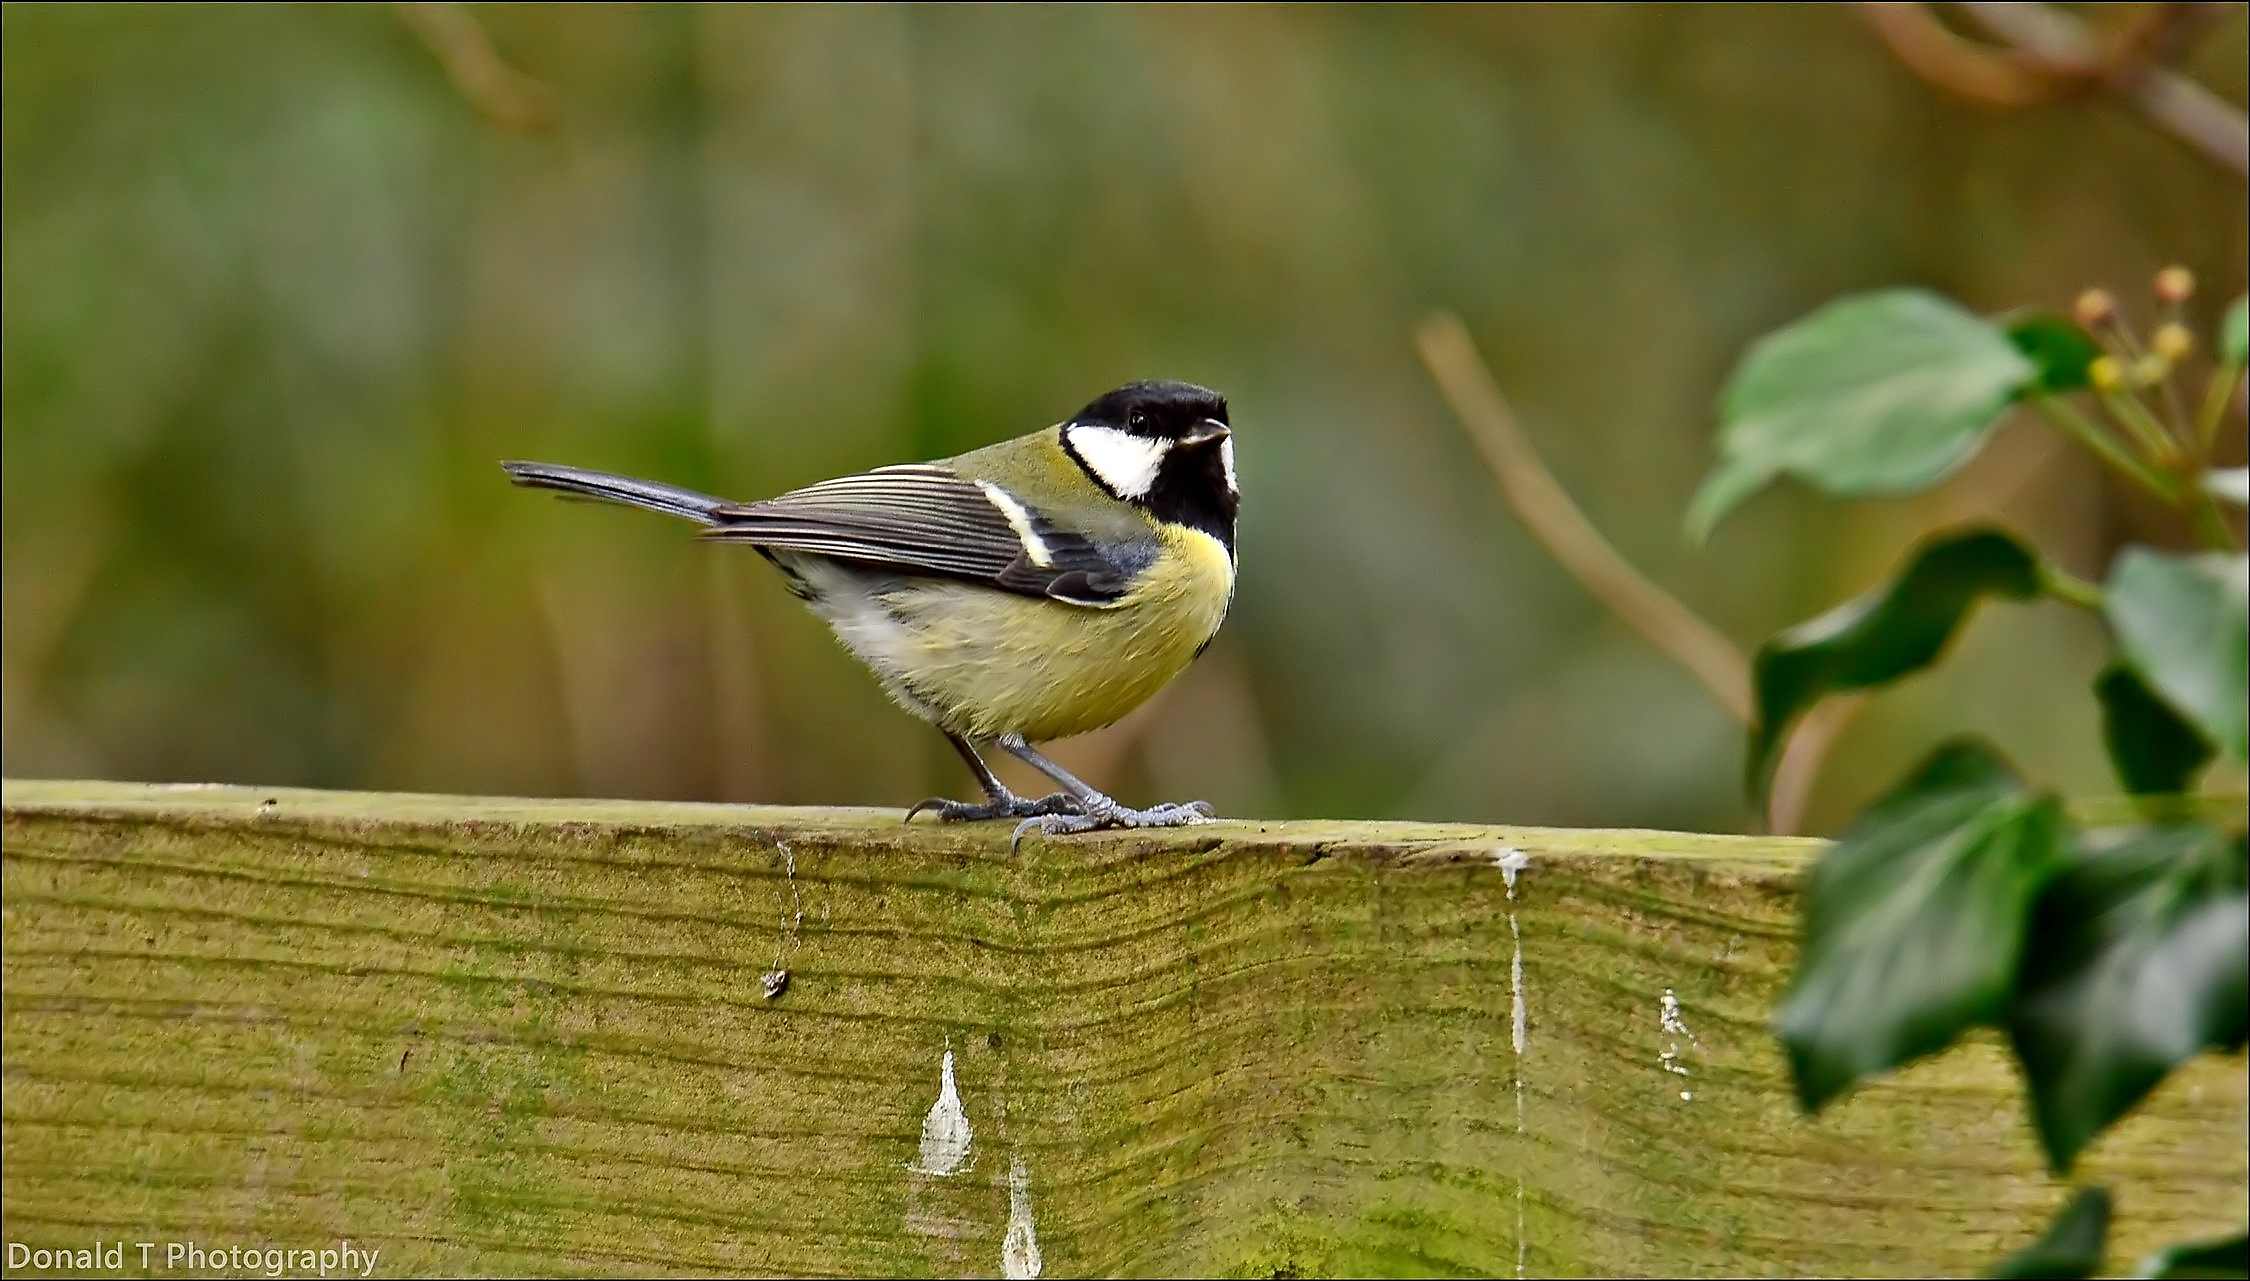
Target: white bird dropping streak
(1511, 862)
(945, 1131)
(1517, 1022)
(1675, 1028)
(1019, 1248)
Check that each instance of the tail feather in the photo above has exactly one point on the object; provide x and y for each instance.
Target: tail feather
(608, 487)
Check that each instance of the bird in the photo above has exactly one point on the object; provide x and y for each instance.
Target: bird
(1027, 591)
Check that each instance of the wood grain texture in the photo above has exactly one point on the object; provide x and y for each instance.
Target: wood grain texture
(496, 1036)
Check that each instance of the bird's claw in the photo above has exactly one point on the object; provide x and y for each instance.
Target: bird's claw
(1070, 823)
(1011, 806)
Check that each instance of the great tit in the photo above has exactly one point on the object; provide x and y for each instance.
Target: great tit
(1030, 590)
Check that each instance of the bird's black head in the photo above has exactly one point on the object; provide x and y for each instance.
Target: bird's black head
(1165, 446)
(1158, 409)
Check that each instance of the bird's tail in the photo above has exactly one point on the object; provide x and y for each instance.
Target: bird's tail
(701, 508)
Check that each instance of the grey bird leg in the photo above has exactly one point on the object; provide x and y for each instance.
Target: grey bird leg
(1095, 811)
(999, 802)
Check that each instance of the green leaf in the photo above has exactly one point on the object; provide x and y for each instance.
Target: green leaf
(1882, 635)
(2183, 624)
(2073, 1245)
(2059, 351)
(2229, 483)
(2225, 1257)
(2234, 332)
(1882, 393)
(2153, 749)
(2141, 961)
(1733, 480)
(1914, 921)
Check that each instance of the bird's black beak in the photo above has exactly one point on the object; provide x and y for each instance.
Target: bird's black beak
(1208, 432)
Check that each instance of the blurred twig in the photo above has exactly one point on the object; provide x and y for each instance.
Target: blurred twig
(1546, 509)
(505, 96)
(1540, 501)
(1799, 767)
(1931, 50)
(2045, 55)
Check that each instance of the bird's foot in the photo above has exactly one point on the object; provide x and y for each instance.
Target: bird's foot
(1009, 805)
(1174, 814)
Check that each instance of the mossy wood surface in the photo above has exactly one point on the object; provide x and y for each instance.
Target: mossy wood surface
(495, 1036)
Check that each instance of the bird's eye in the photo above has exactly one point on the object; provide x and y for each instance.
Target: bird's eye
(1136, 418)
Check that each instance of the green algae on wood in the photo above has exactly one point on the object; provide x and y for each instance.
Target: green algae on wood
(530, 1036)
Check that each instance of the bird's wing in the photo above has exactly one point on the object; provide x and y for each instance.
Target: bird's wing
(927, 519)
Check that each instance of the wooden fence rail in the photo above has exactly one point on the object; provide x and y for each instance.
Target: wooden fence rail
(498, 1036)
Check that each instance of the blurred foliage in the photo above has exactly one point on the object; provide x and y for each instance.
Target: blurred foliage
(1896, 630)
(2072, 1247)
(1964, 898)
(1882, 393)
(2182, 627)
(277, 297)
(1916, 920)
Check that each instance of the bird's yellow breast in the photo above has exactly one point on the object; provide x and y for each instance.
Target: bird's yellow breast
(984, 663)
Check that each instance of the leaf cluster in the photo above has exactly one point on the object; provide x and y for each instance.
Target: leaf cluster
(1965, 898)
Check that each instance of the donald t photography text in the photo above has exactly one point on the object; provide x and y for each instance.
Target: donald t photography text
(342, 1259)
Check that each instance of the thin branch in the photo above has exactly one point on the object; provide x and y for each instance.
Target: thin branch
(1802, 756)
(2210, 523)
(1546, 509)
(500, 93)
(2069, 588)
(1992, 77)
(2183, 108)
(2045, 55)
(2215, 397)
(2065, 418)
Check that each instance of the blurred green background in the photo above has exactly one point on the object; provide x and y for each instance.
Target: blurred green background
(277, 296)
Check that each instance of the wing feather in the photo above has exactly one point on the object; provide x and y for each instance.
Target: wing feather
(926, 519)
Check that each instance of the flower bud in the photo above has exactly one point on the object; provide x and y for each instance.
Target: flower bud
(2172, 342)
(2095, 308)
(2105, 373)
(2150, 370)
(2175, 285)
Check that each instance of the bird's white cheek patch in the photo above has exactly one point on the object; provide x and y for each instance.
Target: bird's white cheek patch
(1226, 464)
(1126, 463)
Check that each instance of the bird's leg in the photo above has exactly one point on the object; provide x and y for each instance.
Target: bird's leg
(999, 802)
(1094, 810)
